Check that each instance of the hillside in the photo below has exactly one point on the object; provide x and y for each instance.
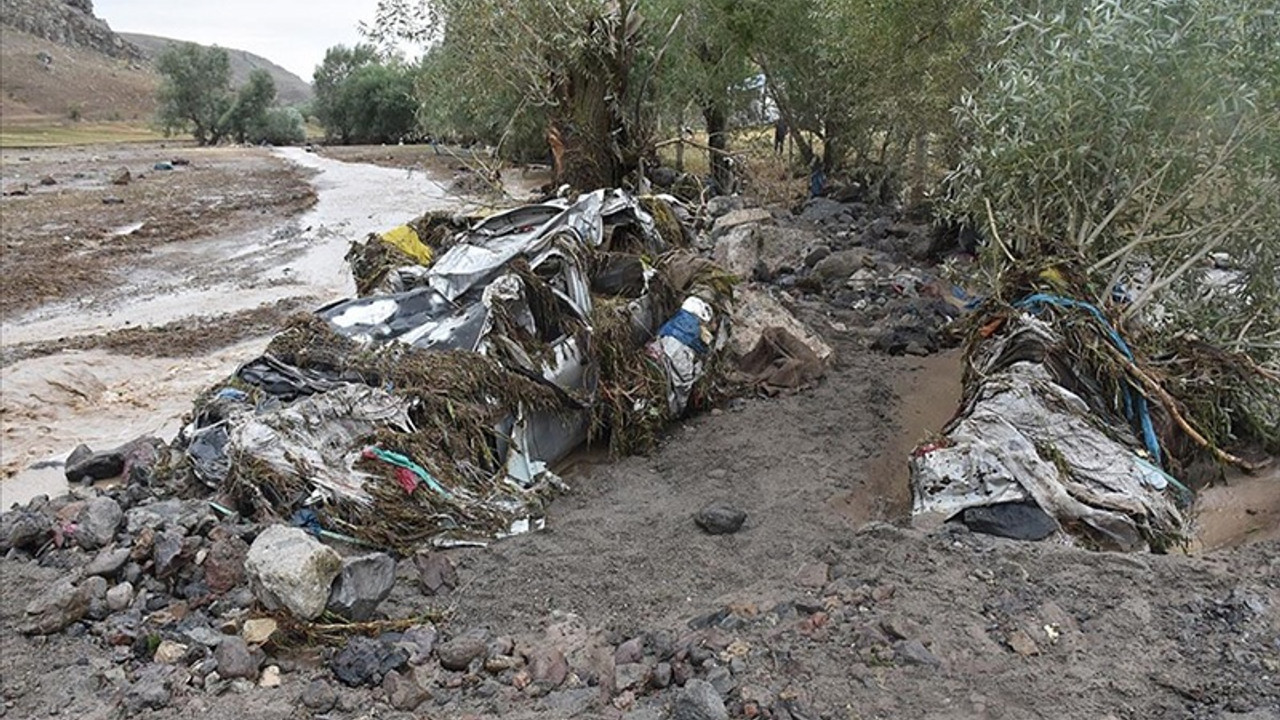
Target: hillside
(45, 81)
(290, 89)
(60, 63)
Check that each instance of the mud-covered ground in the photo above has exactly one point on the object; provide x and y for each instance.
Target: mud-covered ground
(802, 614)
(806, 613)
(83, 231)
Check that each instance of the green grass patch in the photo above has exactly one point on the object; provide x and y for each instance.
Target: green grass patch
(65, 134)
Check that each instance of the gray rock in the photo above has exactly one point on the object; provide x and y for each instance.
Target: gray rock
(723, 205)
(97, 522)
(362, 584)
(319, 696)
(108, 561)
(781, 249)
(418, 641)
(721, 679)
(204, 635)
(822, 210)
(840, 265)
(95, 587)
(149, 692)
(25, 530)
(738, 251)
(435, 572)
(289, 569)
(738, 218)
(166, 553)
(698, 700)
(457, 654)
(548, 666)
(97, 466)
(913, 652)
(80, 454)
(120, 596)
(630, 676)
(235, 660)
(720, 518)
(403, 691)
(661, 675)
(631, 651)
(572, 703)
(157, 516)
(816, 255)
(121, 177)
(56, 608)
(365, 661)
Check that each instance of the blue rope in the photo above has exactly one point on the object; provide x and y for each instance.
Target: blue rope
(1135, 403)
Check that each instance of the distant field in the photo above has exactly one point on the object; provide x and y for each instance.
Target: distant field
(81, 133)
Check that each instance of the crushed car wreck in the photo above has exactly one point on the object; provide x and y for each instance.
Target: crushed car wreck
(432, 408)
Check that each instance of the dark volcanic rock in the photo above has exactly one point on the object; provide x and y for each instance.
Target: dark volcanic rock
(365, 661)
(319, 696)
(235, 659)
(698, 700)
(98, 466)
(720, 518)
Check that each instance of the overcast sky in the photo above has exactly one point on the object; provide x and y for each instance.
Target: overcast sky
(290, 33)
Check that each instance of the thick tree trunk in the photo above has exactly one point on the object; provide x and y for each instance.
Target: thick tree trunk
(718, 140)
(920, 168)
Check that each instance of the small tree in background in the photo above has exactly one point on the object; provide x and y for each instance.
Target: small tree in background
(361, 97)
(196, 91)
(248, 112)
(196, 95)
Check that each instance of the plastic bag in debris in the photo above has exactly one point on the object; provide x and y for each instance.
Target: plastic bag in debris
(405, 239)
(1023, 437)
(285, 381)
(781, 361)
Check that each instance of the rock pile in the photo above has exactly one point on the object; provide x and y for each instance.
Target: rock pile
(852, 256)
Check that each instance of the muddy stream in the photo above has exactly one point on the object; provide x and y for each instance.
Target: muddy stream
(51, 404)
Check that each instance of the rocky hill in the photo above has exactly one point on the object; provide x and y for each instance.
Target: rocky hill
(67, 22)
(61, 62)
(290, 89)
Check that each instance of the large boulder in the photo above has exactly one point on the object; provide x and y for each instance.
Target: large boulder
(362, 584)
(737, 251)
(289, 569)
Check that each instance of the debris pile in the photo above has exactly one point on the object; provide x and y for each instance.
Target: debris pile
(431, 408)
(1066, 431)
(860, 257)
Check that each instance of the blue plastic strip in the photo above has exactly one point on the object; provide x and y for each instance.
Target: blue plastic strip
(1135, 402)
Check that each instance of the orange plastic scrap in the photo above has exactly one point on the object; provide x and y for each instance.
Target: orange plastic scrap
(992, 327)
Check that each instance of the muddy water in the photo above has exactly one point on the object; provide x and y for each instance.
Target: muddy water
(1246, 509)
(51, 404)
(928, 393)
(301, 257)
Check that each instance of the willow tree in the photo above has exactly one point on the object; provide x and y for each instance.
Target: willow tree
(1139, 143)
(578, 65)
